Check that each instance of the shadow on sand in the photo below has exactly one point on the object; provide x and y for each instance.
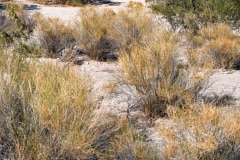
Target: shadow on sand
(31, 7)
(108, 2)
(25, 7)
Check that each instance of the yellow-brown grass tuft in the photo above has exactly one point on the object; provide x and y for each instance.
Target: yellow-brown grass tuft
(218, 44)
(53, 36)
(103, 33)
(201, 133)
(157, 74)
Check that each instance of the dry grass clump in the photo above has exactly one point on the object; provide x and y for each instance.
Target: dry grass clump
(94, 32)
(129, 145)
(102, 33)
(47, 112)
(201, 133)
(53, 36)
(219, 44)
(158, 74)
(110, 87)
(135, 24)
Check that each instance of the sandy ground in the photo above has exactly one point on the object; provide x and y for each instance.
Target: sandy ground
(68, 13)
(223, 86)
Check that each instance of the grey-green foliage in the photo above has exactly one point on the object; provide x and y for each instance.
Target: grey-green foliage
(15, 29)
(14, 25)
(192, 14)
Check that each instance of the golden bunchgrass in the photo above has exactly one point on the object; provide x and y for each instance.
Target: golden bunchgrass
(217, 44)
(101, 31)
(53, 36)
(196, 132)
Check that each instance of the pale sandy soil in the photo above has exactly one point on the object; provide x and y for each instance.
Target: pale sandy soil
(68, 13)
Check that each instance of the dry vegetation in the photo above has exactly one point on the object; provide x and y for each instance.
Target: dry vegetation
(103, 33)
(156, 73)
(15, 24)
(203, 132)
(47, 111)
(53, 36)
(218, 44)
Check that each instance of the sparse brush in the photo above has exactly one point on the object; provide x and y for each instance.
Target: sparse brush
(134, 25)
(192, 15)
(132, 146)
(95, 33)
(46, 108)
(15, 25)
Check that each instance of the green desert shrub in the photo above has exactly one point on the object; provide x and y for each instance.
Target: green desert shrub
(193, 14)
(15, 24)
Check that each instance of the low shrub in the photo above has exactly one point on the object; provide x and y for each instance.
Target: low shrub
(135, 24)
(64, 2)
(95, 33)
(194, 14)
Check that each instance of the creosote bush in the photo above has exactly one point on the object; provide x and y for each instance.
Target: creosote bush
(193, 14)
(15, 25)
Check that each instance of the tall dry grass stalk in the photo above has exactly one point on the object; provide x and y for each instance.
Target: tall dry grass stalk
(157, 74)
(47, 102)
